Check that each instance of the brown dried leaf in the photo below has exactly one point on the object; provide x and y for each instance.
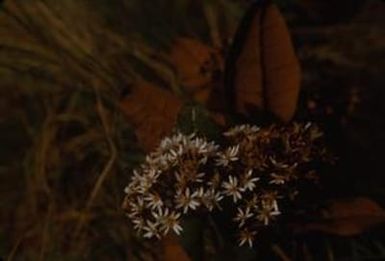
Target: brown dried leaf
(196, 64)
(349, 217)
(263, 70)
(152, 111)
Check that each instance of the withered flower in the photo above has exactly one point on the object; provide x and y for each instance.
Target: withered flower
(271, 161)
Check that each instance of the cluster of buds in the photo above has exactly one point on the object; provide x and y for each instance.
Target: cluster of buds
(258, 169)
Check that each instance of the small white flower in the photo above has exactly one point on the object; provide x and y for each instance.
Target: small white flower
(211, 199)
(269, 200)
(167, 220)
(186, 200)
(136, 207)
(139, 224)
(224, 158)
(246, 236)
(151, 229)
(203, 160)
(151, 161)
(136, 177)
(153, 201)
(249, 181)
(212, 148)
(242, 216)
(172, 222)
(160, 215)
(200, 192)
(152, 175)
(232, 189)
(277, 179)
(172, 155)
(134, 186)
(253, 202)
(266, 213)
(166, 143)
(200, 145)
(271, 204)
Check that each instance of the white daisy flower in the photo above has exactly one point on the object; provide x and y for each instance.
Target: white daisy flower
(242, 216)
(246, 236)
(211, 199)
(171, 222)
(224, 158)
(139, 224)
(277, 179)
(160, 215)
(153, 201)
(186, 200)
(137, 206)
(266, 213)
(249, 181)
(232, 188)
(271, 204)
(151, 229)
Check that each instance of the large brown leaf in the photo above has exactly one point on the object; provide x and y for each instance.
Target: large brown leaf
(262, 70)
(348, 217)
(152, 111)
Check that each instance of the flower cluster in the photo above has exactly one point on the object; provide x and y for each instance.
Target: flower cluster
(270, 164)
(177, 178)
(255, 172)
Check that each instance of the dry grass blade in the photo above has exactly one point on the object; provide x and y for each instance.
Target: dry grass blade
(280, 253)
(73, 53)
(108, 166)
(212, 20)
(165, 72)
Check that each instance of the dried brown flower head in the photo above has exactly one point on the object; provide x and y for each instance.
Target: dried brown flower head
(270, 162)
